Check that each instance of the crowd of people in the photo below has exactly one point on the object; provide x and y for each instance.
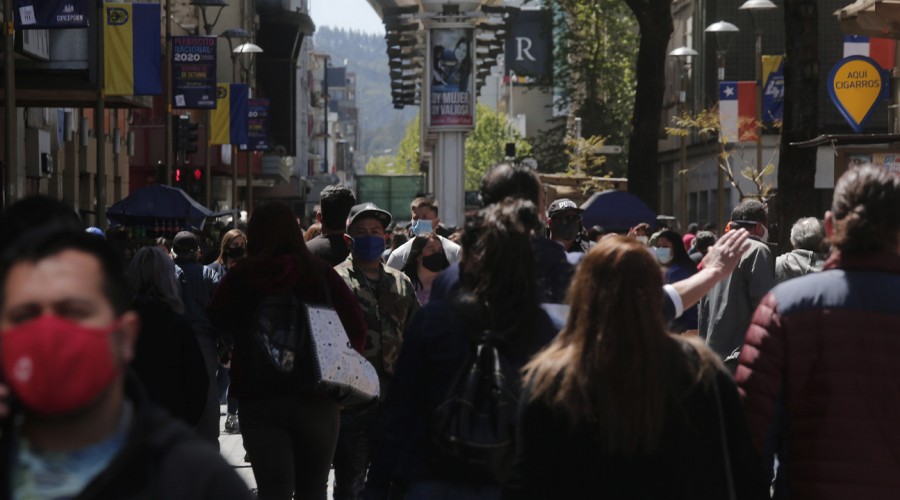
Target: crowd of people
(522, 357)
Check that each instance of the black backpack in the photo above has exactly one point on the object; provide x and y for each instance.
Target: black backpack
(474, 428)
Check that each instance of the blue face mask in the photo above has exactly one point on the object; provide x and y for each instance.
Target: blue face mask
(368, 248)
(422, 226)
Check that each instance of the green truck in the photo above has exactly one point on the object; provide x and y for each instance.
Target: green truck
(390, 192)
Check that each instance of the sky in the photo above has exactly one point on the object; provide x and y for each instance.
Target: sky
(347, 14)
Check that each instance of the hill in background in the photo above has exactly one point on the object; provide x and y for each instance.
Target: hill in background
(381, 125)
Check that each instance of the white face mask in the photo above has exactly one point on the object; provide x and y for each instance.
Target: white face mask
(663, 255)
(643, 239)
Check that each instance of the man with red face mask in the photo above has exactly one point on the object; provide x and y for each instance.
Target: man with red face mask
(79, 425)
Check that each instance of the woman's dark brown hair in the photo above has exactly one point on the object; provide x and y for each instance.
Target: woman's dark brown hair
(613, 364)
(497, 267)
(866, 211)
(273, 230)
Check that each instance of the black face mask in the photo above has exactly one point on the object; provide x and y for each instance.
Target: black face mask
(566, 230)
(435, 262)
(235, 253)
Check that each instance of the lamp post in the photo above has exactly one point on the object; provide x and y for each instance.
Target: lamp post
(203, 5)
(206, 4)
(247, 50)
(229, 35)
(683, 55)
(723, 32)
(756, 7)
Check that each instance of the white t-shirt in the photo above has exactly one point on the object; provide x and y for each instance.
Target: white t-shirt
(399, 256)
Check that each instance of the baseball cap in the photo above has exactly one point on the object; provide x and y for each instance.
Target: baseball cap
(561, 205)
(185, 241)
(364, 210)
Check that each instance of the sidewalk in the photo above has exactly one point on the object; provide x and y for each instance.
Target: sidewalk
(231, 446)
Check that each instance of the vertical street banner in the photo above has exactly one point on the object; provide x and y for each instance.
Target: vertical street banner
(257, 126)
(773, 90)
(229, 119)
(452, 99)
(529, 45)
(194, 72)
(132, 62)
(737, 111)
(51, 14)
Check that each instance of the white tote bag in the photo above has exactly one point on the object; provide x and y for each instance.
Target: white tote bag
(339, 370)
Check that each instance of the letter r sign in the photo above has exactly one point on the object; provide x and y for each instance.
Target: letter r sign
(523, 49)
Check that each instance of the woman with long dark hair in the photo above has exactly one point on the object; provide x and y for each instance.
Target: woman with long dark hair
(497, 292)
(168, 360)
(677, 265)
(426, 260)
(232, 249)
(289, 431)
(616, 406)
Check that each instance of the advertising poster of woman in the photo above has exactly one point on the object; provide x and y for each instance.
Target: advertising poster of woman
(452, 78)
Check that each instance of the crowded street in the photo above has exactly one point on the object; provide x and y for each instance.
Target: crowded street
(450, 250)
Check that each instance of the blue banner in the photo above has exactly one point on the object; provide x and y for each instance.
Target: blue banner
(51, 14)
(194, 72)
(773, 89)
(257, 126)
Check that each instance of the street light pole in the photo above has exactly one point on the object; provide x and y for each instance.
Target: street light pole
(723, 31)
(10, 126)
(683, 54)
(755, 7)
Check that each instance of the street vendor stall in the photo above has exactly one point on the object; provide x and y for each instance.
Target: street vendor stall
(159, 211)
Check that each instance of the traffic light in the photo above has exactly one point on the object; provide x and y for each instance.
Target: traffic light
(191, 136)
(198, 184)
(185, 136)
(180, 180)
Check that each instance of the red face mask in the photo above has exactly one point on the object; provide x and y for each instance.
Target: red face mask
(55, 366)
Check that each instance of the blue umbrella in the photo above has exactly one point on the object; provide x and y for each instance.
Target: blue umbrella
(158, 202)
(616, 211)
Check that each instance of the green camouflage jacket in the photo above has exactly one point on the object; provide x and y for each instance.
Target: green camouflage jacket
(388, 304)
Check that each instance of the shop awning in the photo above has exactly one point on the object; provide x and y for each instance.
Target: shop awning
(876, 18)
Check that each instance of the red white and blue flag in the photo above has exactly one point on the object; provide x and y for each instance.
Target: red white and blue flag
(737, 111)
(880, 49)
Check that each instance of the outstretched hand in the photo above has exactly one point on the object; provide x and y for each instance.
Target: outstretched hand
(724, 256)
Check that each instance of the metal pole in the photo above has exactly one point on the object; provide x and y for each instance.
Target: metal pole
(170, 158)
(9, 116)
(234, 186)
(325, 97)
(249, 197)
(100, 128)
(759, 144)
(720, 190)
(208, 167)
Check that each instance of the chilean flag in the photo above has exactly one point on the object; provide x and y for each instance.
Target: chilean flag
(880, 49)
(737, 111)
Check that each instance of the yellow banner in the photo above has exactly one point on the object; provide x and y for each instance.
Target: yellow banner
(118, 37)
(221, 116)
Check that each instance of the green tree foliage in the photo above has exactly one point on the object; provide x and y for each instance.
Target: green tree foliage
(594, 61)
(408, 150)
(485, 146)
(385, 165)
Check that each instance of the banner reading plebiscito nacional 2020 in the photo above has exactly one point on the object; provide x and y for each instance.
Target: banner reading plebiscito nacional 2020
(452, 99)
